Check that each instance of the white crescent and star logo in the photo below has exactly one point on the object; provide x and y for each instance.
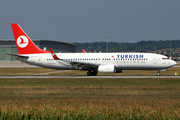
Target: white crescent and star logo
(22, 41)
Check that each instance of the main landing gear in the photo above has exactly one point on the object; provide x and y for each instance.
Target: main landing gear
(94, 73)
(158, 73)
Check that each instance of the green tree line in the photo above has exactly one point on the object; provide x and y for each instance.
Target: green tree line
(141, 46)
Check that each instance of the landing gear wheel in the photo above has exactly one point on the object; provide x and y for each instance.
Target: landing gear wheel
(94, 73)
(158, 74)
(89, 73)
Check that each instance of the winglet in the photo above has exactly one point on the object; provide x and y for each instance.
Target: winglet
(83, 51)
(54, 55)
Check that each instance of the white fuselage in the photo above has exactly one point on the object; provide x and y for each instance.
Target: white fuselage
(123, 61)
(92, 62)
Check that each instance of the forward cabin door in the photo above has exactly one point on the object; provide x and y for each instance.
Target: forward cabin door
(39, 60)
(154, 60)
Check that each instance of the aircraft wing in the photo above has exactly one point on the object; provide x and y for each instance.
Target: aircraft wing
(21, 56)
(75, 63)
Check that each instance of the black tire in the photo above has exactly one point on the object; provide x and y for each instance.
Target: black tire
(158, 74)
(94, 73)
(89, 73)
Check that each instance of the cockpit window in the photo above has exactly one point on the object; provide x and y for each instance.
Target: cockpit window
(165, 58)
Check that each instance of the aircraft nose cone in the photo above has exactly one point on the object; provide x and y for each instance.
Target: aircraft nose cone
(173, 63)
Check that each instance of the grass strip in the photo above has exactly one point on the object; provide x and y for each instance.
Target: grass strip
(89, 109)
(138, 83)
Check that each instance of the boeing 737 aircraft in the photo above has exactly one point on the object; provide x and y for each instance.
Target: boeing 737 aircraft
(91, 62)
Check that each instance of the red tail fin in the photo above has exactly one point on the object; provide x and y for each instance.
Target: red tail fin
(24, 44)
(83, 51)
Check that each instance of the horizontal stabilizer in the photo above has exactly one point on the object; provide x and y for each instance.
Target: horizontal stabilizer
(22, 56)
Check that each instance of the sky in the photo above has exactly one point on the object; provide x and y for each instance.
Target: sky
(92, 20)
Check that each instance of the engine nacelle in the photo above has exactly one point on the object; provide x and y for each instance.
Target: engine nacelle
(106, 69)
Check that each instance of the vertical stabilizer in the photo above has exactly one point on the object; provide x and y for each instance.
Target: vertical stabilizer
(24, 44)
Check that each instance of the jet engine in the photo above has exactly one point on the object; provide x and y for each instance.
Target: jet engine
(106, 69)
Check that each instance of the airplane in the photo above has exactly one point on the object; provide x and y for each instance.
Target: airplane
(93, 63)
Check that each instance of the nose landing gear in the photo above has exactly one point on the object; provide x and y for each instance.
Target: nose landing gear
(158, 73)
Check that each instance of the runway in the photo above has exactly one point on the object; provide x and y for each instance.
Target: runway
(18, 64)
(89, 77)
